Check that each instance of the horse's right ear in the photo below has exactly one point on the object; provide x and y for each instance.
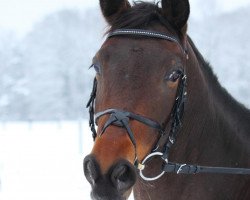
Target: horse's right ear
(176, 12)
(113, 8)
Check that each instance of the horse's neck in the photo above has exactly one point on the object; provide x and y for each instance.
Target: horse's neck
(216, 126)
(235, 117)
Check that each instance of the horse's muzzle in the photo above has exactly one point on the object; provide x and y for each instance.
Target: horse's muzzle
(112, 185)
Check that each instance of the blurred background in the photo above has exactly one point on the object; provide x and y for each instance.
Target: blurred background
(46, 48)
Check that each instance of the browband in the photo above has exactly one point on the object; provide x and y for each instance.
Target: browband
(145, 33)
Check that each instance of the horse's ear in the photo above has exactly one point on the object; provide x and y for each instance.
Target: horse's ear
(112, 8)
(176, 12)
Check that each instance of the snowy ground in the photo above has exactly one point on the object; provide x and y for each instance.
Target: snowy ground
(43, 160)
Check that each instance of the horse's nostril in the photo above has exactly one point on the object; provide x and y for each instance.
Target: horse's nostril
(91, 169)
(123, 176)
(120, 173)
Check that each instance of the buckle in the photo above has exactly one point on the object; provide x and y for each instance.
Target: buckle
(143, 164)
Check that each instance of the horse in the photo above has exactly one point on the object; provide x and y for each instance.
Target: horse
(161, 113)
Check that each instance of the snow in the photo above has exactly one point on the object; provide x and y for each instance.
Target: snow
(20, 16)
(43, 160)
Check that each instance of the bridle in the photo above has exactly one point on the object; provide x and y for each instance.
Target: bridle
(122, 118)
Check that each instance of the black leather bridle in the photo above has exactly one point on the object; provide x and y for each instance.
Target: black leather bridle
(122, 118)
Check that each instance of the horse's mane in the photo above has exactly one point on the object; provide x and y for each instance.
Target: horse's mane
(205, 65)
(140, 16)
(216, 87)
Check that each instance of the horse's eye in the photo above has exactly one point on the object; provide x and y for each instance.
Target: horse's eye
(174, 76)
(97, 67)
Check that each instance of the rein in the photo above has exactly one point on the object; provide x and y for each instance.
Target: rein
(122, 118)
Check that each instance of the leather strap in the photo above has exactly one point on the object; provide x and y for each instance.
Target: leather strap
(195, 169)
(130, 115)
(122, 118)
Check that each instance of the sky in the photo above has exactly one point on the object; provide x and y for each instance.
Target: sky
(20, 15)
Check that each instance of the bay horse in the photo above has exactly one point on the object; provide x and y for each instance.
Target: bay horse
(157, 103)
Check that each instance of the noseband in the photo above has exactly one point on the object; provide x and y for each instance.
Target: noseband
(122, 118)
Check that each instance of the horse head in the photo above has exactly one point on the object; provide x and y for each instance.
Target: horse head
(138, 93)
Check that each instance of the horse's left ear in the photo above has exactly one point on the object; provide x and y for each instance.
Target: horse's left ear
(112, 8)
(176, 12)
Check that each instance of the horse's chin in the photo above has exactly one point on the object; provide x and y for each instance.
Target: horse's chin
(96, 194)
(108, 192)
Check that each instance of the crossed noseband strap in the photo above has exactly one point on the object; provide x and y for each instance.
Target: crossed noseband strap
(122, 118)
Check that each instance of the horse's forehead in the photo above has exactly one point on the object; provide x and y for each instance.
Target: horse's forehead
(120, 48)
(123, 57)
